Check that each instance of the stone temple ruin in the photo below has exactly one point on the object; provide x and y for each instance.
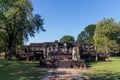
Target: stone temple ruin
(57, 54)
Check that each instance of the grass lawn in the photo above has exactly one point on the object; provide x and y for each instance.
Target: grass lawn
(103, 70)
(27, 71)
(20, 70)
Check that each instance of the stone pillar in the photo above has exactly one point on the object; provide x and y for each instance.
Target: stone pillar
(45, 52)
(78, 53)
(65, 47)
(51, 48)
(74, 54)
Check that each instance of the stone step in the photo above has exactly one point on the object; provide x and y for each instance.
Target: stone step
(64, 64)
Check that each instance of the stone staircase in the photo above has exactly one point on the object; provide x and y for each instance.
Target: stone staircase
(64, 64)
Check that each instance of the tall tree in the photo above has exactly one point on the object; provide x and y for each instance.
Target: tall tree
(67, 38)
(87, 35)
(17, 22)
(105, 36)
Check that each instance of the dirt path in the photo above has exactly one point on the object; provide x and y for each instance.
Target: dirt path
(62, 74)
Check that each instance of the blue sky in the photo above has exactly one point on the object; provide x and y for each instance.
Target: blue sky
(70, 17)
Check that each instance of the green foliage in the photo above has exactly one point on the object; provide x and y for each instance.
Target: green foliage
(17, 22)
(105, 36)
(87, 35)
(67, 38)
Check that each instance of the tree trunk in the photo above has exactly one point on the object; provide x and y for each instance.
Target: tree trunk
(10, 47)
(10, 55)
(5, 55)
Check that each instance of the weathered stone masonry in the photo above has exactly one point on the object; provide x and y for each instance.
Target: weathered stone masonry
(86, 51)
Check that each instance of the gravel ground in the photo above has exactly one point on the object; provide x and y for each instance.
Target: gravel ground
(62, 74)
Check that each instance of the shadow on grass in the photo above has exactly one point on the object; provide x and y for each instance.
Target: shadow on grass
(31, 74)
(90, 64)
(22, 74)
(12, 70)
(104, 70)
(105, 76)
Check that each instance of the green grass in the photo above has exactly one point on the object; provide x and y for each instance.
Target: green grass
(12, 70)
(27, 71)
(103, 70)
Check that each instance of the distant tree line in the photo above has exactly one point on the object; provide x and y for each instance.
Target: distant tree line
(105, 35)
(67, 38)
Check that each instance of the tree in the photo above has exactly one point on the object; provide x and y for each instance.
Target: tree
(105, 36)
(3, 47)
(17, 23)
(87, 35)
(67, 38)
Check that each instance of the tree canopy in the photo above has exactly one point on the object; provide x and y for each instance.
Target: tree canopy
(105, 36)
(67, 38)
(17, 23)
(87, 35)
